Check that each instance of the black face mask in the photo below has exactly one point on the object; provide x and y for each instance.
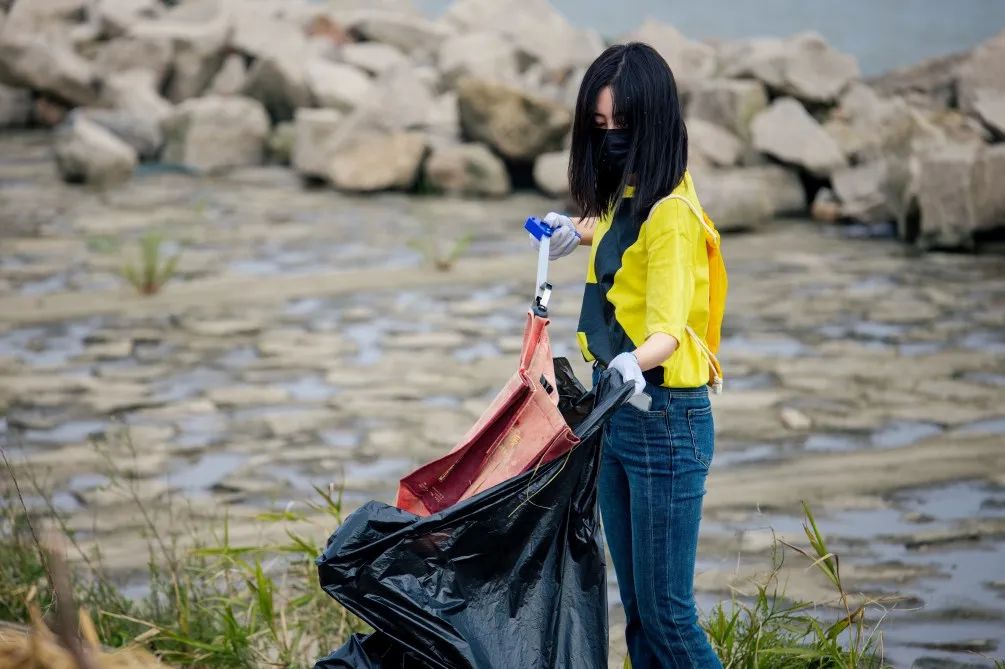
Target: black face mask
(610, 158)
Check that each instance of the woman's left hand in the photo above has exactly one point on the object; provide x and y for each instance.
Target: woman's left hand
(628, 366)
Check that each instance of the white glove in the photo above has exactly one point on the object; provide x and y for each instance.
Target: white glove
(564, 238)
(628, 365)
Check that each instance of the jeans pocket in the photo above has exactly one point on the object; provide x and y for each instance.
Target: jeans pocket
(699, 422)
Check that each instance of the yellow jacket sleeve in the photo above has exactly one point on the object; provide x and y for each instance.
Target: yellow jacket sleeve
(670, 268)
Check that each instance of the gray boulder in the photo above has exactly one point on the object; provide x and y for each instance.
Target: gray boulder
(467, 169)
(198, 37)
(443, 120)
(47, 66)
(728, 103)
(551, 173)
(803, 66)
(116, 17)
(87, 153)
(407, 32)
(482, 55)
(338, 85)
(931, 82)
(135, 92)
(690, 61)
(375, 162)
(314, 142)
(41, 16)
(142, 133)
(861, 192)
(384, 109)
(261, 30)
(280, 83)
(741, 197)
(787, 132)
(982, 70)
(961, 191)
(122, 54)
(216, 132)
(711, 144)
(989, 105)
(539, 31)
(517, 125)
(231, 78)
(15, 107)
(372, 57)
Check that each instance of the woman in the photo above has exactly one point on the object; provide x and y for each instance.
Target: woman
(646, 295)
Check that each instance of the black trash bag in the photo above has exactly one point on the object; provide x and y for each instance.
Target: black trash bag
(513, 577)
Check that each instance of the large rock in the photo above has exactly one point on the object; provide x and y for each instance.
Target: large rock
(708, 143)
(135, 92)
(407, 32)
(385, 108)
(961, 191)
(116, 17)
(982, 70)
(231, 78)
(15, 107)
(537, 29)
(372, 57)
(140, 132)
(858, 122)
(374, 162)
(989, 105)
(467, 169)
(861, 191)
(198, 39)
(443, 120)
(87, 153)
(338, 85)
(803, 66)
(728, 103)
(264, 32)
(517, 125)
(279, 82)
(216, 132)
(315, 137)
(122, 54)
(786, 131)
(551, 173)
(690, 61)
(51, 67)
(35, 16)
(740, 197)
(931, 82)
(482, 55)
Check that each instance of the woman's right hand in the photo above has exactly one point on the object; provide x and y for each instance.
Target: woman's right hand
(564, 238)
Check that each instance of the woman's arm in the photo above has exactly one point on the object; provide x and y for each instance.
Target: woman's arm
(655, 350)
(584, 226)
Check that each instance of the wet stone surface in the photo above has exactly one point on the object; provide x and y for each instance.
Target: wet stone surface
(307, 340)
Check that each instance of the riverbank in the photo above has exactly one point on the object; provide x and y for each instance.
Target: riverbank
(306, 339)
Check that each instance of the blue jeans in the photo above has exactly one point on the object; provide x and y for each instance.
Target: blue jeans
(652, 481)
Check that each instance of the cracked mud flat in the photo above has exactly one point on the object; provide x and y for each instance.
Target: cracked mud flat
(306, 341)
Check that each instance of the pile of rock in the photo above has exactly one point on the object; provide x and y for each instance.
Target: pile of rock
(367, 98)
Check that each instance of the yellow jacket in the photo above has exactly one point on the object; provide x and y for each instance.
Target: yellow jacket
(651, 277)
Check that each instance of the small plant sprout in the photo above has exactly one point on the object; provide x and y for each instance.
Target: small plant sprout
(152, 272)
(441, 255)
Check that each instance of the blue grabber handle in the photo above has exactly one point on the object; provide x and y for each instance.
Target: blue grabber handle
(542, 289)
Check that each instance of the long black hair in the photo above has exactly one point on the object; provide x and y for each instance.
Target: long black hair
(646, 101)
